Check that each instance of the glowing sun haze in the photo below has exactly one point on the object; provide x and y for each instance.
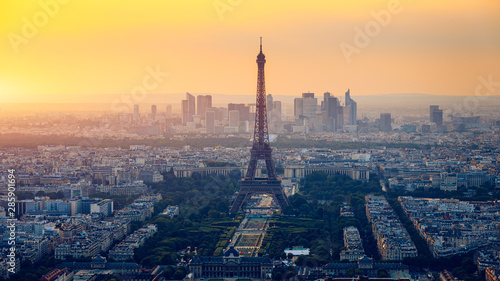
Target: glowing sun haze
(88, 47)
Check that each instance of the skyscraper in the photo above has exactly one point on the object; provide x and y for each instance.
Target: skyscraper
(298, 107)
(277, 111)
(306, 106)
(210, 122)
(350, 110)
(204, 103)
(220, 113)
(385, 122)
(340, 118)
(191, 105)
(432, 108)
(188, 108)
(234, 118)
(324, 105)
(273, 113)
(269, 104)
(244, 110)
(332, 105)
(184, 111)
(436, 115)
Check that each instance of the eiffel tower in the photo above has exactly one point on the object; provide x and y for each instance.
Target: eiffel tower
(261, 150)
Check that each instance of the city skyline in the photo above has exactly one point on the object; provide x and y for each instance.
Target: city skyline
(67, 58)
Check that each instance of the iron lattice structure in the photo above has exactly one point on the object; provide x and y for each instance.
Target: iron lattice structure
(261, 150)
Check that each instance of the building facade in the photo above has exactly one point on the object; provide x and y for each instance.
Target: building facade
(231, 265)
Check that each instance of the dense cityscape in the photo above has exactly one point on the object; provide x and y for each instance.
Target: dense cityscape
(85, 207)
(373, 162)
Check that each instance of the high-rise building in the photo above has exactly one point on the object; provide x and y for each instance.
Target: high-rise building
(332, 110)
(298, 107)
(385, 122)
(234, 118)
(432, 108)
(270, 101)
(340, 118)
(210, 122)
(184, 111)
(305, 106)
(220, 113)
(136, 111)
(191, 105)
(324, 105)
(188, 108)
(244, 110)
(273, 112)
(153, 111)
(204, 103)
(350, 109)
(169, 109)
(436, 115)
(277, 110)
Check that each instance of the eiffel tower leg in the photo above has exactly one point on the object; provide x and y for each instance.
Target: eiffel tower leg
(282, 200)
(238, 202)
(271, 172)
(252, 166)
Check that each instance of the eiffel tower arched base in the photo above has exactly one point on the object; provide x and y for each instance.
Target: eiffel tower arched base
(259, 186)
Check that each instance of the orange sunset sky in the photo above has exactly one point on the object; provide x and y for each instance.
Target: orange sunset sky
(87, 47)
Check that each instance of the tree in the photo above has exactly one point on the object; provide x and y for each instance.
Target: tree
(169, 271)
(289, 274)
(180, 273)
(382, 273)
(149, 261)
(358, 271)
(301, 260)
(167, 259)
(278, 273)
(350, 272)
(40, 193)
(56, 195)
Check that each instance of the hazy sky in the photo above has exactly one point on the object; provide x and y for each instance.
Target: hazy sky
(62, 51)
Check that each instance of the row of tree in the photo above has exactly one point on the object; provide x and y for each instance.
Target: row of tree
(26, 141)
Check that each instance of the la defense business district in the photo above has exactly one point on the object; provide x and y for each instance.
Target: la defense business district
(317, 195)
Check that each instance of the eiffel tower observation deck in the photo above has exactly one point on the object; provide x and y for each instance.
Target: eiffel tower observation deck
(261, 150)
